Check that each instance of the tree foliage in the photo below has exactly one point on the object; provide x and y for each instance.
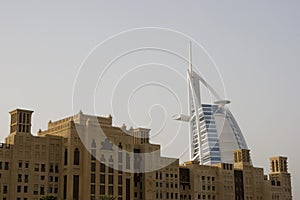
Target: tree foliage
(107, 198)
(50, 198)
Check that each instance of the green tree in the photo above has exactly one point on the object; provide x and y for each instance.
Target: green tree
(50, 198)
(107, 198)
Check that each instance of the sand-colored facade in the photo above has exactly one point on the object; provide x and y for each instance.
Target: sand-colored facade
(73, 160)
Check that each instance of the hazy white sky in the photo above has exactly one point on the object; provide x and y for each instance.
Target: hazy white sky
(255, 45)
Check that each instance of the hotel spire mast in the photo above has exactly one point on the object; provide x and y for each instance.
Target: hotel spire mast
(190, 60)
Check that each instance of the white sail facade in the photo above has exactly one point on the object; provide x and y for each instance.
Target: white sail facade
(214, 132)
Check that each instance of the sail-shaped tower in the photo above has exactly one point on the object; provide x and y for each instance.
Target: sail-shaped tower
(214, 132)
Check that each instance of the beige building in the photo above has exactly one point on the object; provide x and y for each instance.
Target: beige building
(83, 157)
(239, 181)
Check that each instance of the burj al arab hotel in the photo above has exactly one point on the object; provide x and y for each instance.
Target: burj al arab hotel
(214, 132)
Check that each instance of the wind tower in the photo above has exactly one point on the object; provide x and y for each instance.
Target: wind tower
(20, 123)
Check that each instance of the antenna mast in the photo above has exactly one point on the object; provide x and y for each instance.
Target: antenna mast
(190, 60)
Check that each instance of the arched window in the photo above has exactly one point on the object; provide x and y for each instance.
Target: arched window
(120, 146)
(93, 144)
(102, 159)
(76, 156)
(110, 159)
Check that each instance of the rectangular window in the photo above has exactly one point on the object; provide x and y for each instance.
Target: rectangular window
(19, 177)
(51, 168)
(25, 189)
(92, 189)
(65, 187)
(120, 178)
(102, 190)
(93, 167)
(76, 157)
(120, 157)
(119, 190)
(93, 178)
(110, 179)
(42, 190)
(111, 168)
(111, 190)
(6, 166)
(102, 178)
(127, 189)
(5, 189)
(75, 187)
(102, 167)
(43, 167)
(66, 157)
(28, 118)
(127, 162)
(26, 178)
(20, 164)
(56, 168)
(36, 167)
(19, 189)
(35, 189)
